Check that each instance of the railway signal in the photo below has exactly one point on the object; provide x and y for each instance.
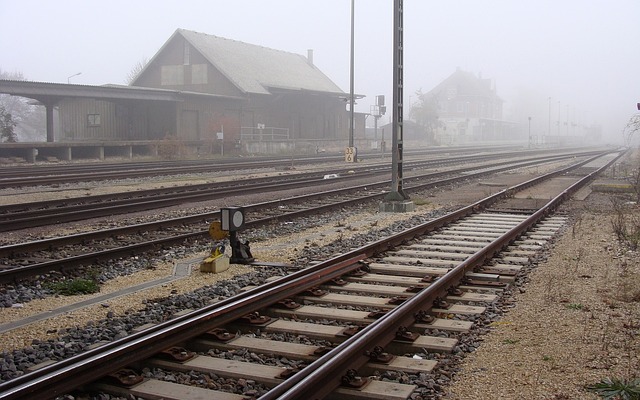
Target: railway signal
(232, 220)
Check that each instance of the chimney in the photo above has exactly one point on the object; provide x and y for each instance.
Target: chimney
(310, 56)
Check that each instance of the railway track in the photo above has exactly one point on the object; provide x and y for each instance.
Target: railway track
(23, 260)
(55, 175)
(18, 176)
(28, 215)
(368, 317)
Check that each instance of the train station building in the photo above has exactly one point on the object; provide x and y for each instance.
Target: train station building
(209, 93)
(469, 110)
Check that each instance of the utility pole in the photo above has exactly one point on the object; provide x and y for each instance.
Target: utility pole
(351, 153)
(529, 132)
(549, 131)
(396, 200)
(351, 90)
(558, 140)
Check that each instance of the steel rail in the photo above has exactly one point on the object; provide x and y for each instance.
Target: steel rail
(60, 265)
(83, 211)
(150, 225)
(12, 274)
(37, 174)
(319, 377)
(324, 375)
(8, 249)
(123, 173)
(14, 216)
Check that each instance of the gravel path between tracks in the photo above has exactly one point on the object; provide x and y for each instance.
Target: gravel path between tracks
(280, 249)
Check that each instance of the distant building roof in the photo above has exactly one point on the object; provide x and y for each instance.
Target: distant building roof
(257, 69)
(466, 84)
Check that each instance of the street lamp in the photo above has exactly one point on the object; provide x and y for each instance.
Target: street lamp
(558, 139)
(567, 120)
(351, 72)
(549, 131)
(68, 79)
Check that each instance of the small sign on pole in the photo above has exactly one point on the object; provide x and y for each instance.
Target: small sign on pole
(350, 154)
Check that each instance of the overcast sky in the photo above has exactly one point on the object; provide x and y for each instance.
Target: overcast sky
(584, 54)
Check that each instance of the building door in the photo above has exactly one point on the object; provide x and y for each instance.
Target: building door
(190, 127)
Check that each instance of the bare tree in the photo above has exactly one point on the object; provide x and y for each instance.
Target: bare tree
(29, 118)
(135, 71)
(7, 126)
(425, 112)
(629, 131)
(634, 178)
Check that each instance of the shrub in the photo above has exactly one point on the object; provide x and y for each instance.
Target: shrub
(626, 225)
(74, 287)
(7, 126)
(617, 389)
(170, 148)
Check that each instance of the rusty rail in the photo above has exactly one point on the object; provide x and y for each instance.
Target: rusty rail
(321, 376)
(12, 274)
(324, 375)
(13, 217)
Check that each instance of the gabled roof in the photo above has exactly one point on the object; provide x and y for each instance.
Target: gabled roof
(256, 69)
(466, 84)
(47, 92)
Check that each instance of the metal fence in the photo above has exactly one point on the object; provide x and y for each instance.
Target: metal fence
(263, 133)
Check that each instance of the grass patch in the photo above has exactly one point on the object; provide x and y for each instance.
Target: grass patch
(510, 341)
(575, 306)
(74, 287)
(626, 224)
(614, 389)
(418, 201)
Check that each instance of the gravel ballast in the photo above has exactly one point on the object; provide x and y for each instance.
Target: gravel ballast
(570, 323)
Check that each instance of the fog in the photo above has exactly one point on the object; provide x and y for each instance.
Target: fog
(577, 57)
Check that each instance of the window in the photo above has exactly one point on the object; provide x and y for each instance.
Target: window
(460, 107)
(93, 120)
(172, 75)
(199, 74)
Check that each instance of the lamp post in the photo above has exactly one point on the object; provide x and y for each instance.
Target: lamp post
(351, 94)
(549, 131)
(529, 132)
(567, 120)
(69, 78)
(558, 139)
